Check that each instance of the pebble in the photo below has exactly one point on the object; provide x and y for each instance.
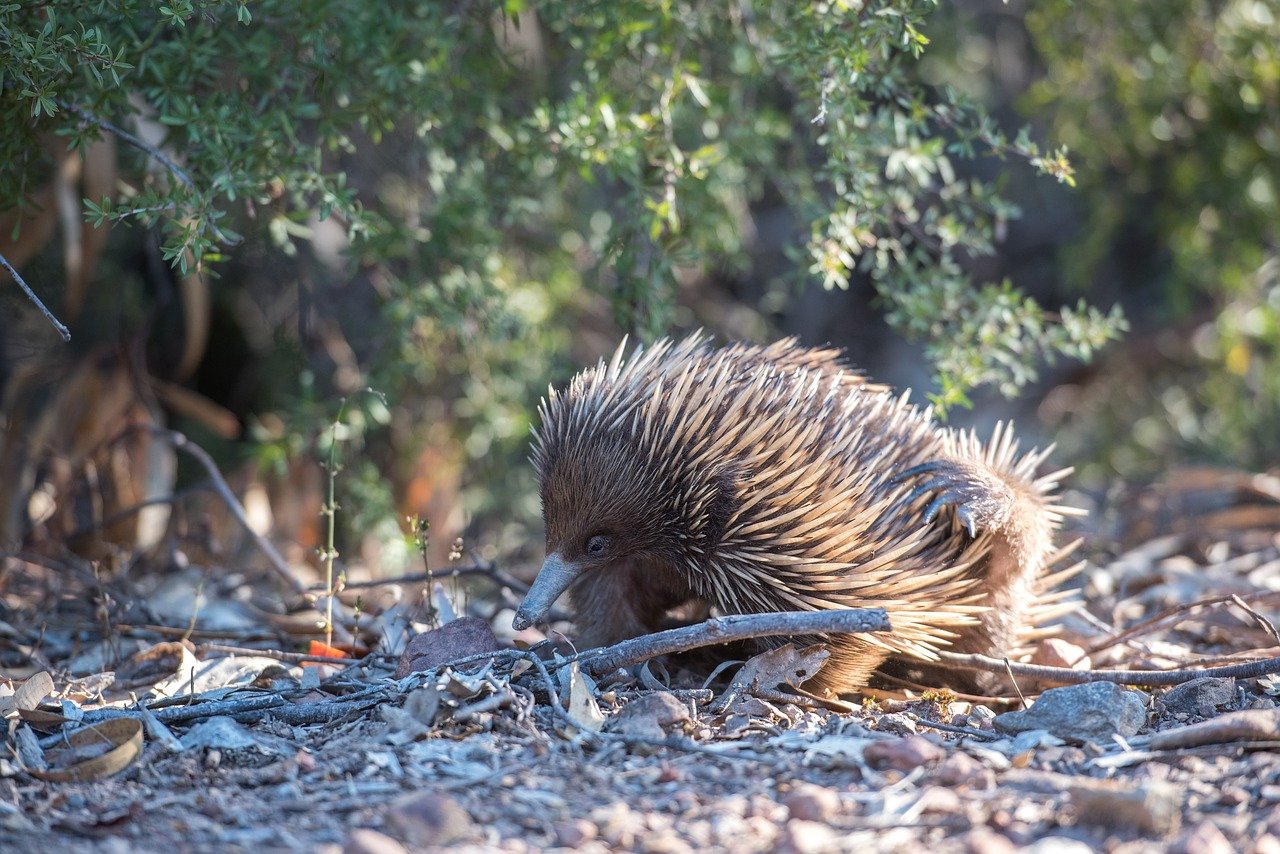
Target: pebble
(1204, 838)
(961, 769)
(810, 802)
(665, 842)
(575, 833)
(649, 716)
(1056, 652)
(897, 723)
(363, 840)
(1059, 845)
(981, 717)
(1152, 807)
(1094, 712)
(904, 754)
(984, 840)
(1200, 697)
(806, 837)
(427, 819)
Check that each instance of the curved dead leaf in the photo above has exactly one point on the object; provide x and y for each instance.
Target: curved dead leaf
(94, 753)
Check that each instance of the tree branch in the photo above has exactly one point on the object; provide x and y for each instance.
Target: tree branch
(57, 324)
(136, 141)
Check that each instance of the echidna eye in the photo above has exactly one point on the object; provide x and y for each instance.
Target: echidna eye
(597, 544)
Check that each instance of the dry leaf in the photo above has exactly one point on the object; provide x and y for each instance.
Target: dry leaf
(583, 709)
(28, 695)
(94, 753)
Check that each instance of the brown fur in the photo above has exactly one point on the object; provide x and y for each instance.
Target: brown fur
(760, 479)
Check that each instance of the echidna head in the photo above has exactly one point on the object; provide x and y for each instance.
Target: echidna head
(603, 503)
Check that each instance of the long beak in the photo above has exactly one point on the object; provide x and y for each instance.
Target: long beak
(553, 579)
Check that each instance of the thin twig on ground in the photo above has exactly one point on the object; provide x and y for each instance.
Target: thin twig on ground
(1176, 613)
(1147, 678)
(180, 442)
(718, 630)
(278, 655)
(486, 569)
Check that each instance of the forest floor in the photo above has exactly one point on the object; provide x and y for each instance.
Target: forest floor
(244, 748)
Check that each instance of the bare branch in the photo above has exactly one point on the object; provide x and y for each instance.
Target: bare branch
(182, 443)
(31, 295)
(1149, 678)
(736, 627)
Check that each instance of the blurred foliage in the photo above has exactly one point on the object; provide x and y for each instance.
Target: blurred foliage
(492, 165)
(1172, 111)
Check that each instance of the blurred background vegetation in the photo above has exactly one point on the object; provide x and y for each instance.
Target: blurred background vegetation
(248, 212)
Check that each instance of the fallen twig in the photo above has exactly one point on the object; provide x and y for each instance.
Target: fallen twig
(488, 569)
(180, 442)
(1177, 613)
(718, 630)
(278, 655)
(1067, 676)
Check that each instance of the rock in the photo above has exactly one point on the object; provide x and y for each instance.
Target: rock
(981, 717)
(961, 769)
(574, 834)
(806, 837)
(896, 723)
(1266, 844)
(1150, 808)
(456, 639)
(904, 754)
(1200, 697)
(363, 840)
(808, 802)
(664, 842)
(984, 840)
(427, 819)
(1204, 838)
(649, 716)
(1093, 712)
(618, 825)
(1056, 652)
(1059, 845)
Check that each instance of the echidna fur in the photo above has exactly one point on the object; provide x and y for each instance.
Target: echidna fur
(775, 478)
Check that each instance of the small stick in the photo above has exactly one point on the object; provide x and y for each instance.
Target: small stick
(278, 655)
(735, 627)
(1267, 626)
(487, 569)
(182, 443)
(1151, 623)
(31, 295)
(1147, 678)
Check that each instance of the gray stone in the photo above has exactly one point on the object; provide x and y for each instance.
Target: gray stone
(650, 716)
(1094, 712)
(1200, 697)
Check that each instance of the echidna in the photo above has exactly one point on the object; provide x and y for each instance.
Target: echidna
(775, 478)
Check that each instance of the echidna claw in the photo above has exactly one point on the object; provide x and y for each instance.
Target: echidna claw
(907, 474)
(953, 489)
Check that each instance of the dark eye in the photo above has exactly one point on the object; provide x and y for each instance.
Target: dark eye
(597, 545)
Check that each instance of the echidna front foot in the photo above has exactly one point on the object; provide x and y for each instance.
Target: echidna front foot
(981, 499)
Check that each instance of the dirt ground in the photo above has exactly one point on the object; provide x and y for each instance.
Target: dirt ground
(245, 749)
